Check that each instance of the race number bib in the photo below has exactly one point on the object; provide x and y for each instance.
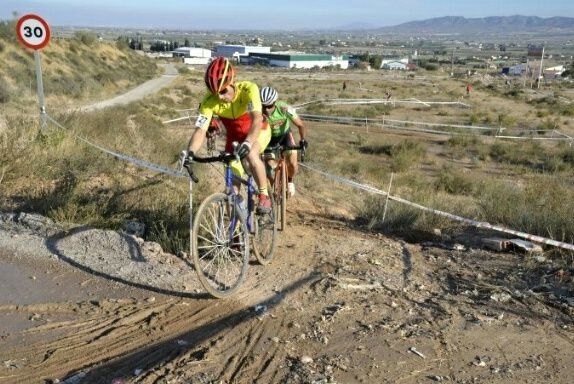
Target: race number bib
(201, 121)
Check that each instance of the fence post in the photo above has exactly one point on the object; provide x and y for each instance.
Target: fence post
(387, 199)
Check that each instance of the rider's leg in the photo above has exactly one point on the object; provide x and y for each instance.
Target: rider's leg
(258, 169)
(292, 164)
(292, 168)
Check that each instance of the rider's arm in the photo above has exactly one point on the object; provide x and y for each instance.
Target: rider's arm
(196, 140)
(295, 119)
(256, 124)
(255, 110)
(201, 125)
(301, 126)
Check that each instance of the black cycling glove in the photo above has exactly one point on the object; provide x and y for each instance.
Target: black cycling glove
(243, 149)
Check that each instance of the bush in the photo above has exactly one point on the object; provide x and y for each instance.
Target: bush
(544, 207)
(85, 37)
(4, 91)
(454, 182)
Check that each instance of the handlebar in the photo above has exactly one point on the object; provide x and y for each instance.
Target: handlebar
(283, 148)
(222, 157)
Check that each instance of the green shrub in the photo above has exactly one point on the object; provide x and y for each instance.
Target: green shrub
(4, 91)
(398, 217)
(86, 37)
(543, 207)
(567, 110)
(454, 182)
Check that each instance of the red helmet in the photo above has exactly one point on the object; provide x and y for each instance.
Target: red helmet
(219, 74)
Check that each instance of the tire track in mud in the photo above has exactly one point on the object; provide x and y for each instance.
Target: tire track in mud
(325, 310)
(159, 338)
(105, 329)
(245, 353)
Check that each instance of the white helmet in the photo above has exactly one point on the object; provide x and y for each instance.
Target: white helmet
(268, 96)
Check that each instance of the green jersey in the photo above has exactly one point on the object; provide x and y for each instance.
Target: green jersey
(280, 119)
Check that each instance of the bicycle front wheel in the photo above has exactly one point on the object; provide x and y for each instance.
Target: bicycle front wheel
(265, 235)
(220, 245)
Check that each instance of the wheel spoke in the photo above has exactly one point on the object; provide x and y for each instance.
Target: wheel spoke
(220, 251)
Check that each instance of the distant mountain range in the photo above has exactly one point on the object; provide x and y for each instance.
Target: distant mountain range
(492, 24)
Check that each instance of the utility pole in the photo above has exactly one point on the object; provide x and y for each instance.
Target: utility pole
(540, 71)
(452, 63)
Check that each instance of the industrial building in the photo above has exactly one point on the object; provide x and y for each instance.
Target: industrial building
(298, 60)
(239, 51)
(193, 56)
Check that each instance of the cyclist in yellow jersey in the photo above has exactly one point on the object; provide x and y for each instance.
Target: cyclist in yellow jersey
(238, 106)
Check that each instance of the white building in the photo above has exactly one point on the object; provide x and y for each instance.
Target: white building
(387, 63)
(395, 65)
(238, 51)
(193, 56)
(299, 60)
(553, 72)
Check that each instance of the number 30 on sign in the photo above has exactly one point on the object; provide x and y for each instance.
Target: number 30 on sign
(33, 31)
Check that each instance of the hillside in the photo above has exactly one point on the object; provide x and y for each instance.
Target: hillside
(493, 24)
(80, 68)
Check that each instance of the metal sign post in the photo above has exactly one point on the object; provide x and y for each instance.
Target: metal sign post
(34, 33)
(40, 88)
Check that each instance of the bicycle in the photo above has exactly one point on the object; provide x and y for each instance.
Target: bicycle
(279, 180)
(223, 225)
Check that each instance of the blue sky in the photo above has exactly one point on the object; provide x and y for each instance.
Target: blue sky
(276, 15)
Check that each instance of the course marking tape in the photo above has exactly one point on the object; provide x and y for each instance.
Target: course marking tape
(141, 163)
(478, 224)
(368, 188)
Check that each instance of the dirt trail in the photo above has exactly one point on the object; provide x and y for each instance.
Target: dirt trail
(139, 92)
(336, 306)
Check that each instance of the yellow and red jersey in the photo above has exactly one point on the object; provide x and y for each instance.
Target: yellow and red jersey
(235, 115)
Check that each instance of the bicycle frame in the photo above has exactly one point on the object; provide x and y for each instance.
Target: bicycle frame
(251, 191)
(279, 181)
(222, 231)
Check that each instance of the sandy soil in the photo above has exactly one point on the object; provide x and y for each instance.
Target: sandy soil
(337, 305)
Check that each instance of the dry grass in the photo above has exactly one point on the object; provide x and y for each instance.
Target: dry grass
(524, 185)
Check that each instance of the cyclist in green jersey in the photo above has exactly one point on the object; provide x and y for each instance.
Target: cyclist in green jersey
(280, 115)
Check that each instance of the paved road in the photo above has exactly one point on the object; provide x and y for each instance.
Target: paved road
(139, 92)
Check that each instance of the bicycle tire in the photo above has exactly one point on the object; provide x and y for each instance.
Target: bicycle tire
(220, 254)
(264, 237)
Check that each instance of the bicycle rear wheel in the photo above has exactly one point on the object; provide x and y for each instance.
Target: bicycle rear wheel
(264, 235)
(220, 245)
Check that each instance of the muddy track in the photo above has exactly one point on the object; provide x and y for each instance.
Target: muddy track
(337, 305)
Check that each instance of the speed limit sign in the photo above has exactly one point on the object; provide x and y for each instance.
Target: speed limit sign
(33, 31)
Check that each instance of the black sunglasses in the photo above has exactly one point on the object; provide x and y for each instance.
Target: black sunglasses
(269, 106)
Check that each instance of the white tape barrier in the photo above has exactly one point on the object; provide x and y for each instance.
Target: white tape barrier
(141, 163)
(478, 224)
(387, 123)
(365, 122)
(172, 172)
(379, 101)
